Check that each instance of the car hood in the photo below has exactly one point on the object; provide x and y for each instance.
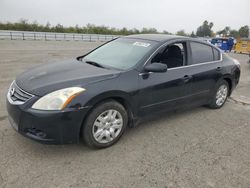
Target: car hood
(49, 77)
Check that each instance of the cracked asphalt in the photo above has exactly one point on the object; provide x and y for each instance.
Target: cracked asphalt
(196, 147)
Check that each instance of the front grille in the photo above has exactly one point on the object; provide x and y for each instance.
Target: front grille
(18, 95)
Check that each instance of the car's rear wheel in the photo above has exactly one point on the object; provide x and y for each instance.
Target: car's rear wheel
(105, 124)
(220, 95)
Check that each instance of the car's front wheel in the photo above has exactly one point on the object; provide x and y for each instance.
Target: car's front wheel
(220, 95)
(105, 124)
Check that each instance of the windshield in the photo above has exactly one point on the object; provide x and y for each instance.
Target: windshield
(122, 53)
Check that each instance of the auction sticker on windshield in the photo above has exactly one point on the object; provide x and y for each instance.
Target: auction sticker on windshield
(142, 44)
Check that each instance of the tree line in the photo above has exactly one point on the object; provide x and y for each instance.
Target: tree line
(24, 25)
(205, 30)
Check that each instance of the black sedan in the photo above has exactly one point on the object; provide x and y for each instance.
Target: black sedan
(97, 95)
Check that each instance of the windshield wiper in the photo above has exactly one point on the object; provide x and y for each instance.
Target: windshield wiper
(95, 64)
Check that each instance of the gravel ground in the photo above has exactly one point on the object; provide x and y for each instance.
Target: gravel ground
(198, 147)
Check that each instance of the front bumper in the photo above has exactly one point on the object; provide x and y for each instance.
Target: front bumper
(50, 127)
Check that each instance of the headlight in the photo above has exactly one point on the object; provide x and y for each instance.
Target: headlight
(57, 100)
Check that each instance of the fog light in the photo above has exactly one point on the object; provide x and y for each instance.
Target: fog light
(36, 132)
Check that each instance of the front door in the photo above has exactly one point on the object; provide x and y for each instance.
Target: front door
(165, 91)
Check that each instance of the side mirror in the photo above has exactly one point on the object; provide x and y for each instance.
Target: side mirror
(156, 67)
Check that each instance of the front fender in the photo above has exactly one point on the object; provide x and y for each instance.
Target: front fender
(128, 100)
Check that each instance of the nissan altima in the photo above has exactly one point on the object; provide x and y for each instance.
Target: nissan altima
(97, 95)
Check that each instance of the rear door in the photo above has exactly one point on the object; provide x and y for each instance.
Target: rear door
(205, 69)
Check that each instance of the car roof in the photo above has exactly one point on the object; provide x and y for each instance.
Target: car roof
(156, 37)
(162, 38)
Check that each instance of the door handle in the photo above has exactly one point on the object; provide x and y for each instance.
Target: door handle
(186, 78)
(218, 68)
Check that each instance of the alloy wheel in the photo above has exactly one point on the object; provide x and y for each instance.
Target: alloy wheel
(221, 95)
(107, 126)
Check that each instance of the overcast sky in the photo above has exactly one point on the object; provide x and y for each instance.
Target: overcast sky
(170, 15)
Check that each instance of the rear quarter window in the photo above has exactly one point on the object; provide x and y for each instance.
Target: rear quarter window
(201, 53)
(216, 54)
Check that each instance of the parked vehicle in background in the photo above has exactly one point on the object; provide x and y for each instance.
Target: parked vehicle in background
(97, 95)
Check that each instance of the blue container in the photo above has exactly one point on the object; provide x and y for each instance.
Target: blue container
(221, 43)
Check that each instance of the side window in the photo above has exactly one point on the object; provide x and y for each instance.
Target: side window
(216, 54)
(173, 55)
(201, 53)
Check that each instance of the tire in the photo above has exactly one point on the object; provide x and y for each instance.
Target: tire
(219, 99)
(105, 124)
